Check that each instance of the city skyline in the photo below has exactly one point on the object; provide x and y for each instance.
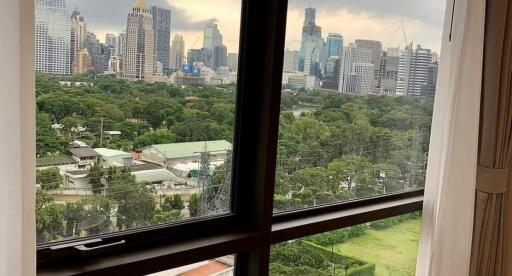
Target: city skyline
(422, 21)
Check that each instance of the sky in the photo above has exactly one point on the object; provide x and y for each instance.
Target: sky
(354, 19)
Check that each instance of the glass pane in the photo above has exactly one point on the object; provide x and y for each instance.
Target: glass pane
(223, 266)
(358, 89)
(381, 248)
(135, 113)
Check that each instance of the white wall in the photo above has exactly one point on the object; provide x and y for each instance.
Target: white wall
(17, 139)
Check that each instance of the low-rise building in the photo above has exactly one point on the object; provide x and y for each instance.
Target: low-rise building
(113, 158)
(85, 157)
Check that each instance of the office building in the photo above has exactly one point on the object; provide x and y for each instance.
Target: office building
(356, 70)
(417, 72)
(334, 45)
(291, 61)
(162, 33)
(139, 52)
(177, 52)
(83, 62)
(332, 72)
(233, 62)
(220, 57)
(212, 36)
(193, 55)
(78, 33)
(121, 42)
(52, 37)
(311, 54)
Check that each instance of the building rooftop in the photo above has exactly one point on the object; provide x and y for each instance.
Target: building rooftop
(110, 152)
(54, 161)
(178, 150)
(83, 152)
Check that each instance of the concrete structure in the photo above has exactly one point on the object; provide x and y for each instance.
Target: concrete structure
(85, 157)
(121, 42)
(52, 37)
(139, 50)
(417, 72)
(83, 62)
(162, 31)
(220, 57)
(177, 52)
(99, 52)
(332, 72)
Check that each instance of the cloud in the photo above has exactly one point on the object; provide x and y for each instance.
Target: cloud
(111, 15)
(428, 11)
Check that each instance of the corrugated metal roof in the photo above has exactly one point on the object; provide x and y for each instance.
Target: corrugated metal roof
(179, 150)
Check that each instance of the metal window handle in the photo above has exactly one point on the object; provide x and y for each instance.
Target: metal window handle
(84, 250)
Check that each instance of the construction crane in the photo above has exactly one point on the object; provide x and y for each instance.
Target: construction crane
(400, 26)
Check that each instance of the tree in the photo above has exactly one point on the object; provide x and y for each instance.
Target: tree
(95, 176)
(172, 203)
(58, 106)
(49, 218)
(49, 179)
(153, 138)
(193, 205)
(135, 202)
(161, 216)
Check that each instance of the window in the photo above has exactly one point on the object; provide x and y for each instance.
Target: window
(223, 266)
(357, 100)
(119, 85)
(285, 152)
(384, 247)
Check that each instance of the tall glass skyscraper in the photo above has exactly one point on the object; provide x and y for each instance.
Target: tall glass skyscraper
(53, 37)
(334, 45)
(312, 46)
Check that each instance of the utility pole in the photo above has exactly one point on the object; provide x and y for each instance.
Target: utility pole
(101, 133)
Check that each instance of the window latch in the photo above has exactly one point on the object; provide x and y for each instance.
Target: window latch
(85, 250)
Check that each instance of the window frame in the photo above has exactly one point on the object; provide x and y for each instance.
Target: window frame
(251, 228)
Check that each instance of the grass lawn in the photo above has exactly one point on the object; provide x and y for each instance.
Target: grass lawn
(393, 250)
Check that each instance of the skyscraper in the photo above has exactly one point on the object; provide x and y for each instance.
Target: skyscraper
(139, 52)
(332, 72)
(334, 45)
(177, 52)
(389, 71)
(356, 70)
(312, 46)
(162, 30)
(233, 62)
(212, 36)
(376, 49)
(417, 72)
(291, 61)
(53, 37)
(121, 42)
(193, 55)
(99, 53)
(78, 33)
(220, 57)
(111, 41)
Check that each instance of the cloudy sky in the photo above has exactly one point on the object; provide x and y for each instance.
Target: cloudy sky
(368, 19)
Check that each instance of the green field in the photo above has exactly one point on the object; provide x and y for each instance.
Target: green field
(393, 250)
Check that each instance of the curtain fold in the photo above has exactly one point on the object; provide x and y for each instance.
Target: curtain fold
(445, 243)
(492, 223)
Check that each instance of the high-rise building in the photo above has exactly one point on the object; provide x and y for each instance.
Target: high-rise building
(207, 57)
(111, 41)
(332, 72)
(121, 42)
(83, 62)
(162, 31)
(311, 57)
(177, 52)
(376, 48)
(53, 37)
(78, 33)
(291, 61)
(356, 70)
(139, 50)
(233, 62)
(417, 72)
(99, 52)
(334, 45)
(193, 55)
(389, 71)
(220, 57)
(212, 36)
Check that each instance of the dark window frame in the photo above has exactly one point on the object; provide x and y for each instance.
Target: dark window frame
(251, 229)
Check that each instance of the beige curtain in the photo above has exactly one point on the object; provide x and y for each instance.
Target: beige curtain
(492, 231)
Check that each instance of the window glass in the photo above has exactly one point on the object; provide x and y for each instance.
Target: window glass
(381, 248)
(358, 88)
(135, 113)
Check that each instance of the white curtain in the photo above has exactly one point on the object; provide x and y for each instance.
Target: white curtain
(17, 139)
(445, 244)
